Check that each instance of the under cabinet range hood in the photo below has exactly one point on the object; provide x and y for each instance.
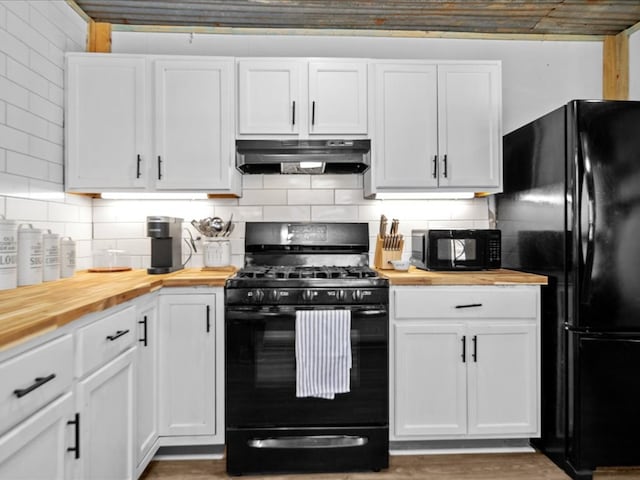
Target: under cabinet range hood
(302, 156)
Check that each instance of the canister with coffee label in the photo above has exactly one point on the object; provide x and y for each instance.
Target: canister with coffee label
(67, 257)
(30, 255)
(51, 246)
(8, 254)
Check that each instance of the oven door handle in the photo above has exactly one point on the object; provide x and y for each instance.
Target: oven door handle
(311, 441)
(265, 313)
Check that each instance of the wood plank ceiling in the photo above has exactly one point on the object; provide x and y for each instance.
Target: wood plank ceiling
(565, 17)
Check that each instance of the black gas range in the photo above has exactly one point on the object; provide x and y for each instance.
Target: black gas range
(292, 268)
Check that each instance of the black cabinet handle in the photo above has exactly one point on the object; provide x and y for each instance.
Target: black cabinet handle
(144, 327)
(37, 383)
(464, 349)
(138, 167)
(444, 171)
(76, 423)
(474, 355)
(313, 112)
(470, 305)
(118, 334)
(293, 115)
(208, 318)
(159, 168)
(434, 173)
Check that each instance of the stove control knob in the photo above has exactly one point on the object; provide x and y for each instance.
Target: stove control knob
(307, 295)
(256, 295)
(341, 295)
(357, 295)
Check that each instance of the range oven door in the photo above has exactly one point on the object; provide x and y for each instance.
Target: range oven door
(261, 371)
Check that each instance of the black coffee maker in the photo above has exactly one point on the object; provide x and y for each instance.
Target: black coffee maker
(166, 244)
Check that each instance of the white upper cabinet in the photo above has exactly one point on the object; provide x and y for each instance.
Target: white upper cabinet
(437, 128)
(269, 97)
(194, 124)
(112, 100)
(299, 98)
(106, 123)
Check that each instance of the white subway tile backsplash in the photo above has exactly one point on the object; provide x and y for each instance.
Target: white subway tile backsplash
(55, 133)
(3, 111)
(56, 173)
(252, 181)
(264, 197)
(3, 161)
(46, 109)
(3, 16)
(27, 122)
(370, 212)
(12, 185)
(13, 139)
(78, 231)
(474, 209)
(287, 181)
(20, 28)
(45, 149)
(300, 213)
(26, 166)
(41, 20)
(334, 213)
(336, 181)
(310, 197)
(351, 197)
(119, 230)
(20, 8)
(46, 68)
(248, 213)
(13, 93)
(141, 246)
(63, 212)
(22, 75)
(56, 95)
(24, 209)
(13, 47)
(3, 64)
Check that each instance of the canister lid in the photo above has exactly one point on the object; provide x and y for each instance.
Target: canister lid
(29, 230)
(49, 235)
(6, 223)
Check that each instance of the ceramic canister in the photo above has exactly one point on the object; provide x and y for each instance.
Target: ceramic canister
(51, 266)
(8, 254)
(30, 255)
(67, 257)
(217, 252)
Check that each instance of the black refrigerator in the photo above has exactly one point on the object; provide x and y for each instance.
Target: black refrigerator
(571, 210)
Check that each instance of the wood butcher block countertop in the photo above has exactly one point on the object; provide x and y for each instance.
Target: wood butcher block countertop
(415, 276)
(33, 310)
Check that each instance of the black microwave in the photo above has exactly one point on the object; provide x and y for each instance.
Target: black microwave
(456, 249)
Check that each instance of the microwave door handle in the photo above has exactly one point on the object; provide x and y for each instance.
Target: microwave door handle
(588, 196)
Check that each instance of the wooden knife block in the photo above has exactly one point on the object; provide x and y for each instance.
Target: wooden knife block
(383, 257)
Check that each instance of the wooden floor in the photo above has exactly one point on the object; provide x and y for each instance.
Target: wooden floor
(503, 466)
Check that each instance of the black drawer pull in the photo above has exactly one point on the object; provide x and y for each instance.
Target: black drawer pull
(159, 167)
(208, 318)
(76, 423)
(470, 305)
(293, 114)
(464, 349)
(138, 167)
(144, 325)
(474, 355)
(118, 334)
(38, 382)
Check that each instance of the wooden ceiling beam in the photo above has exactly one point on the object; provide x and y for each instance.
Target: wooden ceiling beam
(615, 60)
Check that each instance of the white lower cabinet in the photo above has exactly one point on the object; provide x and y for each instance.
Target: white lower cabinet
(146, 394)
(105, 402)
(37, 448)
(191, 362)
(465, 362)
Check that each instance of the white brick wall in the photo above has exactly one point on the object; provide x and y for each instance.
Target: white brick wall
(33, 38)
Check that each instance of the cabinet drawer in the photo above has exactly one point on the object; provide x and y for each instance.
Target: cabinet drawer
(34, 378)
(480, 302)
(105, 339)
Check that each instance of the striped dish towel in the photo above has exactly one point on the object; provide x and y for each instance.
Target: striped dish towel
(323, 353)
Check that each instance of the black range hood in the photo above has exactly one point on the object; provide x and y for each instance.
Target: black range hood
(302, 156)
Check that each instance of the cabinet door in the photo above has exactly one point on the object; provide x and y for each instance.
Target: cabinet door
(106, 140)
(106, 421)
(146, 381)
(187, 364)
(502, 378)
(37, 448)
(268, 97)
(430, 379)
(194, 124)
(406, 129)
(469, 135)
(337, 98)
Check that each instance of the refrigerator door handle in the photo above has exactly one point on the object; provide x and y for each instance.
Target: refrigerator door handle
(588, 249)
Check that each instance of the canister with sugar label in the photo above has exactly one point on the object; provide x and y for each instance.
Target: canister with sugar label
(51, 266)
(8, 254)
(67, 257)
(30, 255)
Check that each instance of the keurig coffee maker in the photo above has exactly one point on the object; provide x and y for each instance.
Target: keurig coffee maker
(166, 244)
